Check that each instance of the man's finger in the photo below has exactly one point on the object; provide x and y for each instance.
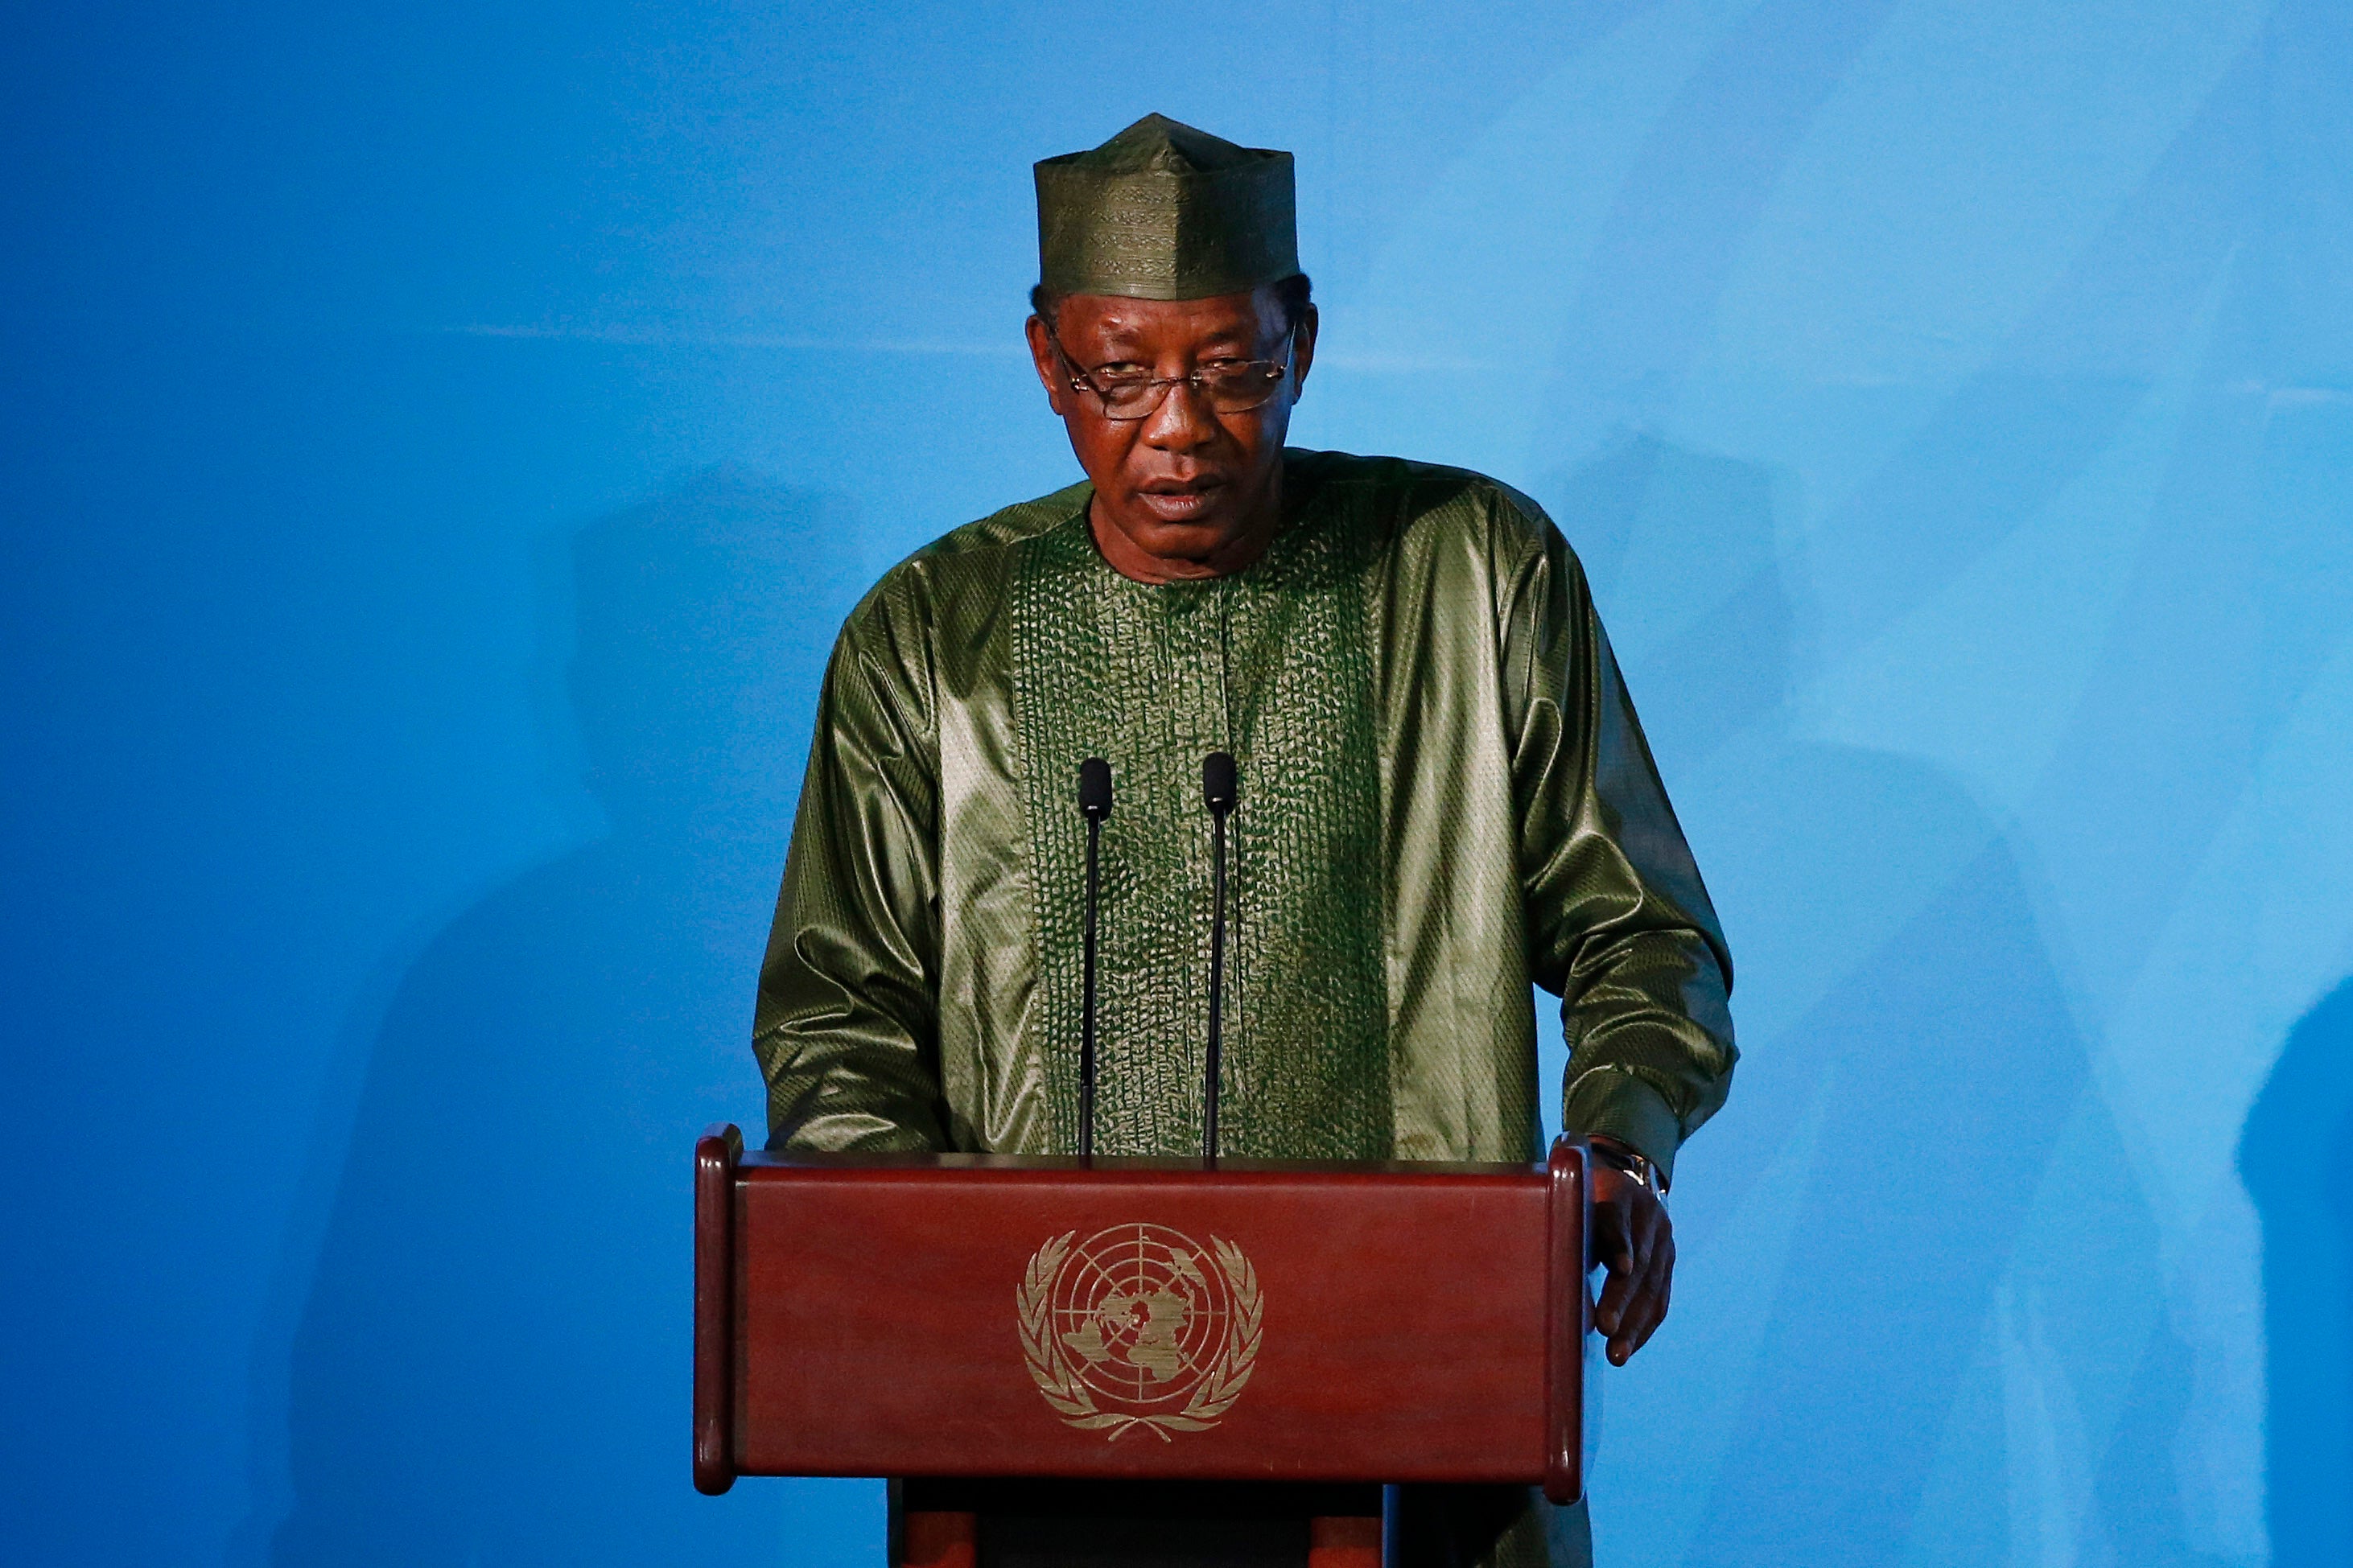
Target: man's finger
(1646, 1302)
(1645, 1310)
(1639, 1296)
(1643, 1316)
(1617, 1241)
(1611, 1310)
(1628, 1302)
(1645, 1237)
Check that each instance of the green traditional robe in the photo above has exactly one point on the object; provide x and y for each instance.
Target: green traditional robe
(1445, 795)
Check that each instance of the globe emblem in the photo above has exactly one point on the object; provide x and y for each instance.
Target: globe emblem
(1142, 1310)
(1140, 1325)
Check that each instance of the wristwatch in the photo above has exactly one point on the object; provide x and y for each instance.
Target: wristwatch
(1633, 1162)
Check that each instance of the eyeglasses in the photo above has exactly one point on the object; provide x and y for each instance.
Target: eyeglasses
(1231, 386)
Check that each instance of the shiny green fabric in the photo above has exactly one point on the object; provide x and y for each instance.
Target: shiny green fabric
(1446, 794)
(1163, 211)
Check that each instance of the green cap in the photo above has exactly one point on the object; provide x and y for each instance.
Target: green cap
(1161, 211)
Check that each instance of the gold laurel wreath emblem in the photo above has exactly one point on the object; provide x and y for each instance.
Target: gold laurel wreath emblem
(1074, 1402)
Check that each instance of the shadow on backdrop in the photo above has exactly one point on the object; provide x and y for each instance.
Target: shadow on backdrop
(2297, 1156)
(492, 1365)
(1941, 1076)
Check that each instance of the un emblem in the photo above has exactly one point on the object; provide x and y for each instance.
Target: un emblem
(1140, 1325)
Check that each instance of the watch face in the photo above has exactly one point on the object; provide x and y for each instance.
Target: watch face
(1638, 1166)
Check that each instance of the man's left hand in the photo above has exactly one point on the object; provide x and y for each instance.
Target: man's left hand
(1635, 1241)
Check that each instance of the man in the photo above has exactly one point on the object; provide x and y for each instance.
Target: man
(1444, 791)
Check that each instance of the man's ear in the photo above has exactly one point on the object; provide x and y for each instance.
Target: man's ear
(1303, 349)
(1049, 366)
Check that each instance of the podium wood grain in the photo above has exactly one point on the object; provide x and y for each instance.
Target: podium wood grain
(858, 1316)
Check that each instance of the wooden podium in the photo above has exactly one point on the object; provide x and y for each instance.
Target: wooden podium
(959, 1318)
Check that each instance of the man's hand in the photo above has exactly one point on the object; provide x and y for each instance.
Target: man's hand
(1633, 1239)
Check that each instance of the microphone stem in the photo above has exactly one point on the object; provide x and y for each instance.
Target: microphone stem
(1216, 987)
(1087, 1005)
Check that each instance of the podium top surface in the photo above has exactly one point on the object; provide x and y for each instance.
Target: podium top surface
(880, 1165)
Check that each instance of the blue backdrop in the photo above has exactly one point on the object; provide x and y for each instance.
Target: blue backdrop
(439, 441)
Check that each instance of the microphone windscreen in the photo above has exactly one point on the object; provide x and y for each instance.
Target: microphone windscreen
(1095, 787)
(1218, 788)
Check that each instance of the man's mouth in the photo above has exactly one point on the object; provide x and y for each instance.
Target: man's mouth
(1179, 500)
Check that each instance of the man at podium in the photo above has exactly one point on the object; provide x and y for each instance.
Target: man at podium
(1437, 790)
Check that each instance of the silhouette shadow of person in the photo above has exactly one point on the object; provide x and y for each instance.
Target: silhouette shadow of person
(492, 1364)
(1885, 1246)
(2296, 1154)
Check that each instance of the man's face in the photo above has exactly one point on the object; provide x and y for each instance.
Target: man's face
(1186, 485)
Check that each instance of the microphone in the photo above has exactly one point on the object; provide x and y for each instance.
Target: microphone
(1219, 792)
(1095, 802)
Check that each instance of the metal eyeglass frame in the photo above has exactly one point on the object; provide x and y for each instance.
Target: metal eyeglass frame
(1158, 385)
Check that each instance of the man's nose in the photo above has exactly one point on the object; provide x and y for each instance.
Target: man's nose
(1182, 421)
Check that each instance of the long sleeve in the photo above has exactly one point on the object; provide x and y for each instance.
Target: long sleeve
(845, 1027)
(1618, 923)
